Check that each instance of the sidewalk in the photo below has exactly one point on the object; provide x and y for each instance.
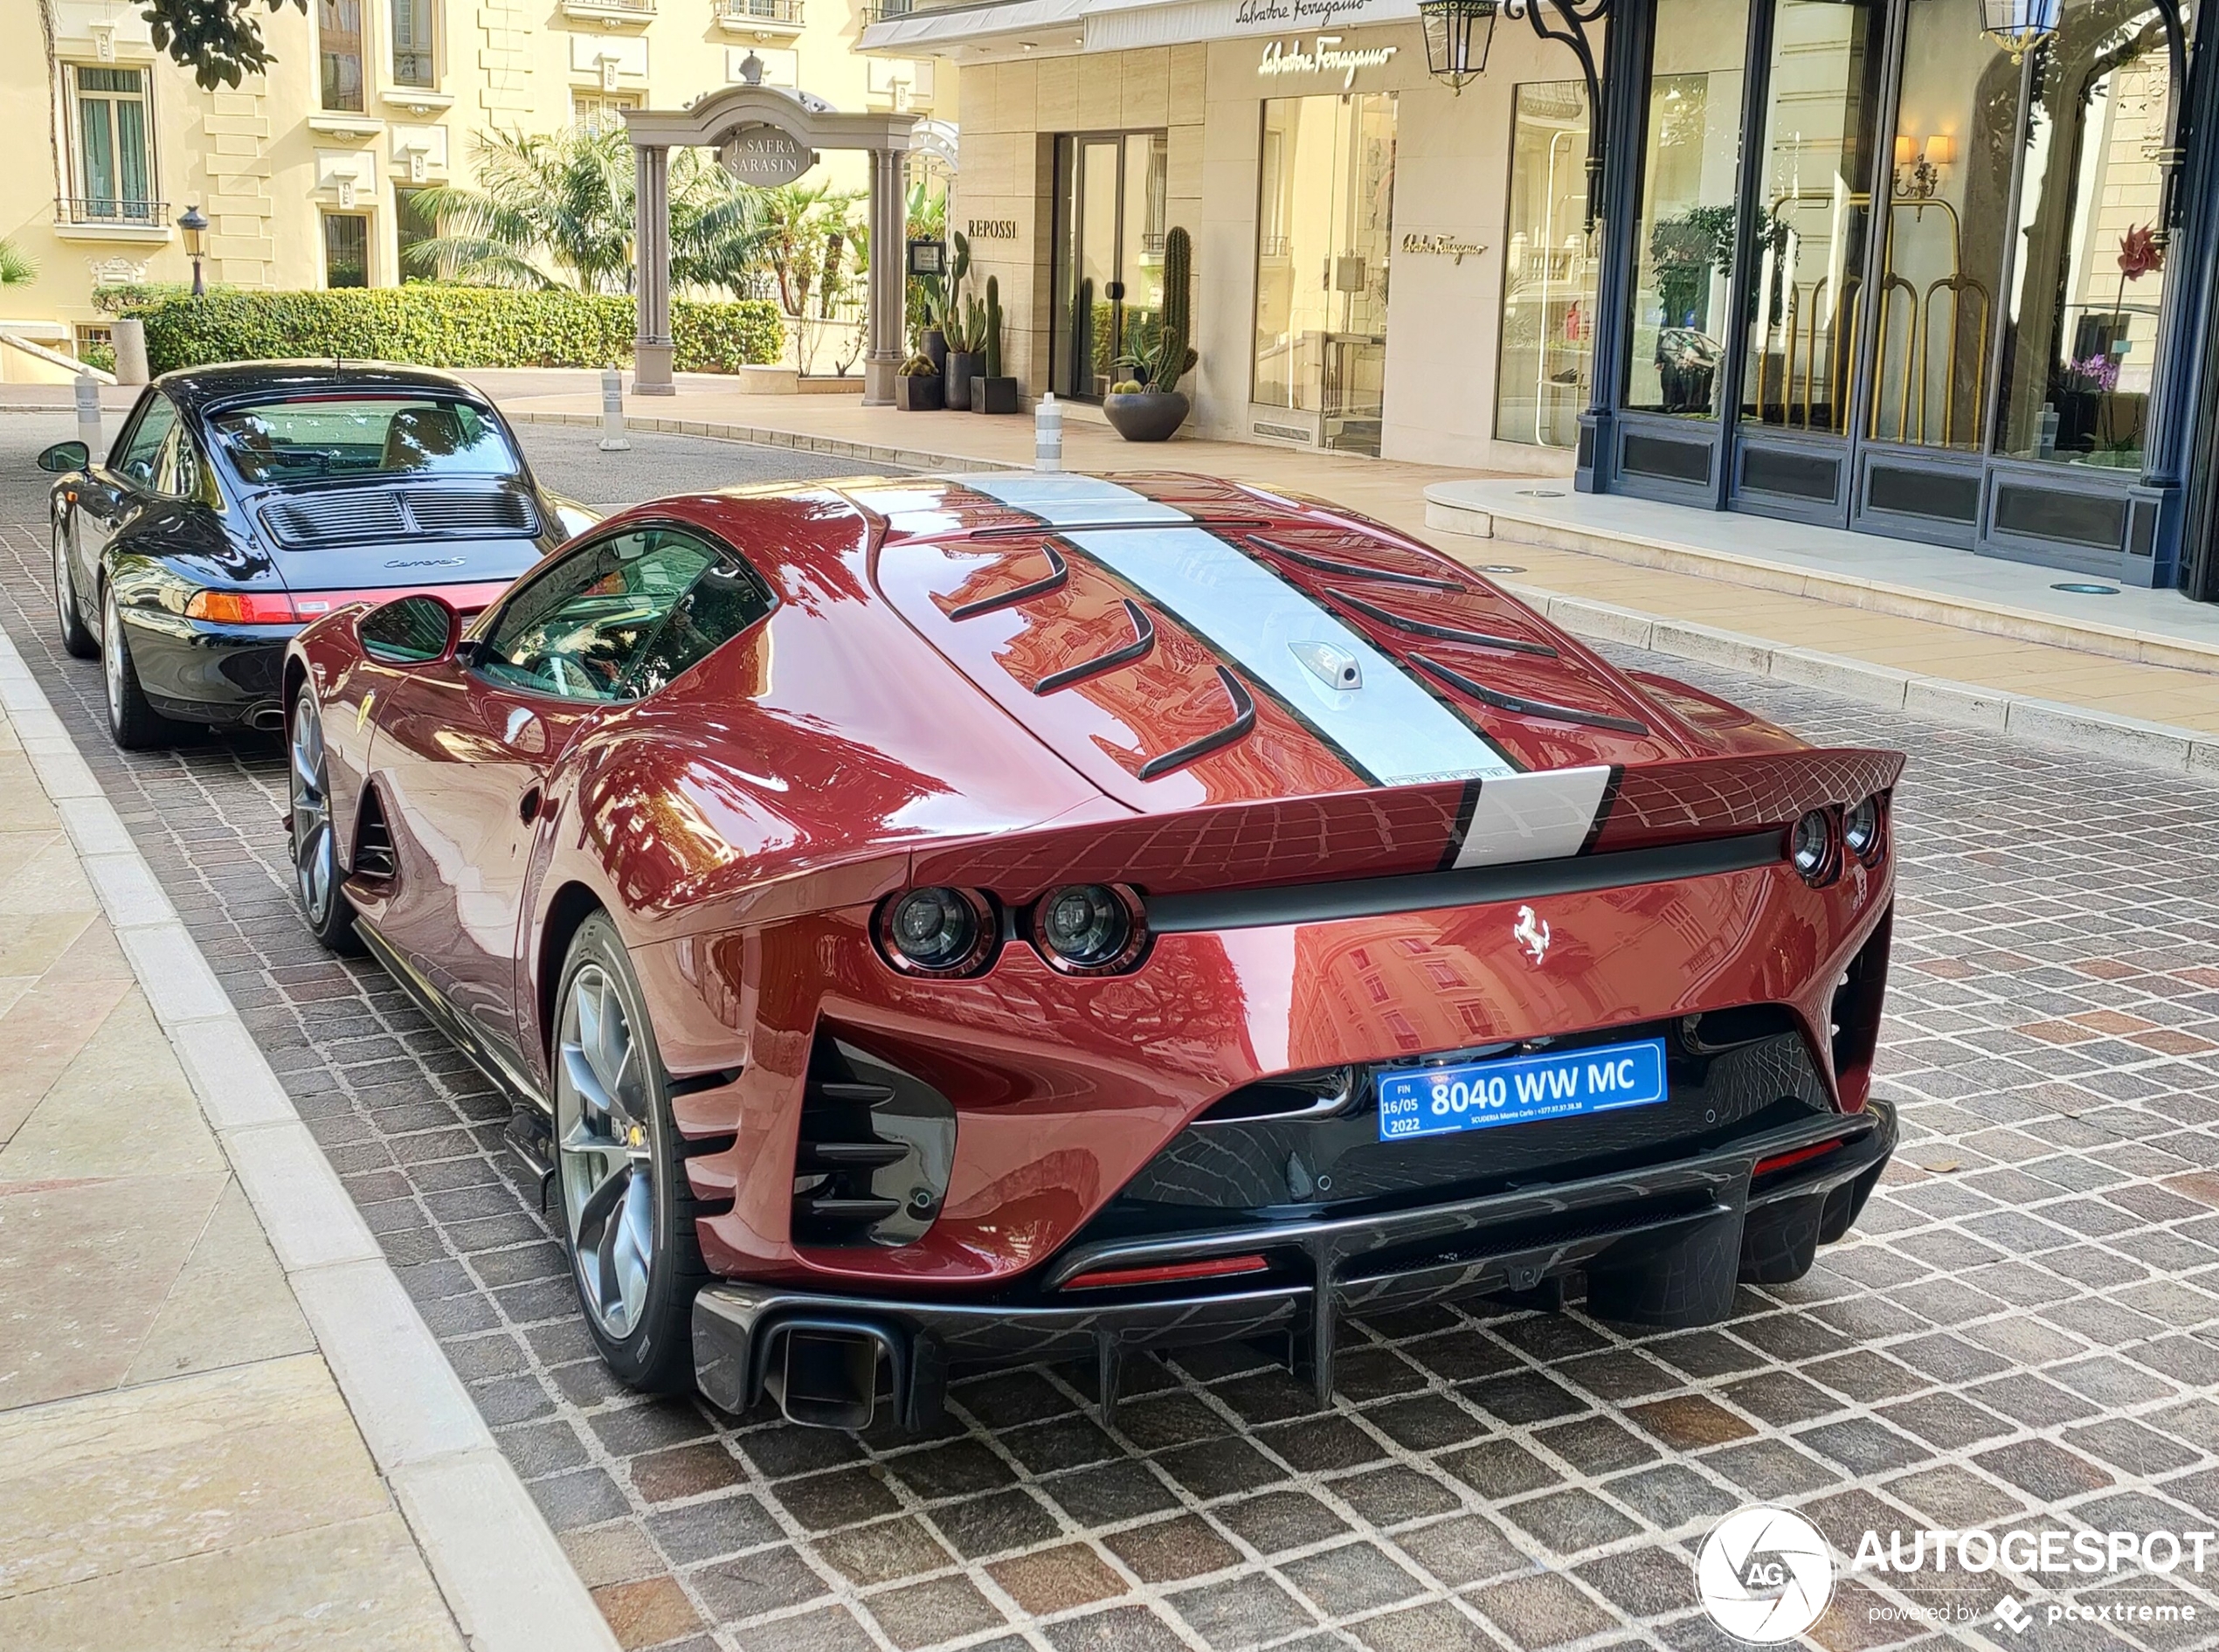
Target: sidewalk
(1942, 658)
(217, 1428)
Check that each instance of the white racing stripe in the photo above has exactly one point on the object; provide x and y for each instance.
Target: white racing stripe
(1389, 727)
(1065, 499)
(1542, 816)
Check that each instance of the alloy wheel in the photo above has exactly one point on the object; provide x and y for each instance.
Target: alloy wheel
(315, 856)
(112, 658)
(603, 1108)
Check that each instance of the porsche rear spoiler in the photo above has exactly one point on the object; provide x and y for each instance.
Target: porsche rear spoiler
(1556, 830)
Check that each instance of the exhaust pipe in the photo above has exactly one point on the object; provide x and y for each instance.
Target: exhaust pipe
(266, 719)
(828, 1376)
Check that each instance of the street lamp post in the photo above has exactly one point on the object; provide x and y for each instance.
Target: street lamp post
(194, 222)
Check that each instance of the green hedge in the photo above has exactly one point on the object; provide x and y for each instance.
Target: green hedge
(435, 326)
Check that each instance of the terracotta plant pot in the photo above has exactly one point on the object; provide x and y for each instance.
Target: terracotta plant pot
(1146, 416)
(993, 395)
(961, 365)
(919, 392)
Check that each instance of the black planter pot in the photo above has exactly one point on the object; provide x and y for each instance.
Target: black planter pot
(962, 364)
(1145, 416)
(919, 392)
(993, 395)
(934, 346)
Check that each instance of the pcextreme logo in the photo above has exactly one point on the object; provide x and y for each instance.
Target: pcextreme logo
(1764, 1575)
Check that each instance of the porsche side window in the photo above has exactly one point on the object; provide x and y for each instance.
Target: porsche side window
(140, 456)
(178, 471)
(579, 629)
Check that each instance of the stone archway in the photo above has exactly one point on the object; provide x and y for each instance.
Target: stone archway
(769, 136)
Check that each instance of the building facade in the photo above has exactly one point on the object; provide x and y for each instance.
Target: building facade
(1852, 262)
(305, 173)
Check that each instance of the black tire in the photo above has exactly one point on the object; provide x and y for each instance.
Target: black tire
(317, 876)
(78, 640)
(133, 723)
(619, 1177)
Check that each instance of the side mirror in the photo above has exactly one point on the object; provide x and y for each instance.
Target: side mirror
(420, 630)
(64, 457)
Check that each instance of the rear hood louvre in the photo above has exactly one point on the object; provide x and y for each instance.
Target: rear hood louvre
(346, 515)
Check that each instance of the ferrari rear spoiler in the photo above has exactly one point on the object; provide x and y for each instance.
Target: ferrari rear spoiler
(1588, 827)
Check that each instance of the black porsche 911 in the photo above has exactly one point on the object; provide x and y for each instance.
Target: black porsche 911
(241, 502)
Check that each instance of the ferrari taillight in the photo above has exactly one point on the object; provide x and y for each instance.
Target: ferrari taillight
(242, 607)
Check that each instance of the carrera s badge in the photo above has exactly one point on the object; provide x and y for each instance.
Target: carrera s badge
(1530, 932)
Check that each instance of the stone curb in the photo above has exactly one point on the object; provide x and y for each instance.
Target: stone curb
(2184, 750)
(762, 436)
(503, 1575)
(1978, 615)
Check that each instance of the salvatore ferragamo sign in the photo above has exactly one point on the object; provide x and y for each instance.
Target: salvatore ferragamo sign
(1326, 56)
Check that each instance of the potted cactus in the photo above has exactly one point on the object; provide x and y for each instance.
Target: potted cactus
(991, 393)
(1146, 404)
(917, 385)
(966, 330)
(940, 297)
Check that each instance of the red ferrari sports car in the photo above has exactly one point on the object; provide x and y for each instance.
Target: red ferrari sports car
(1014, 917)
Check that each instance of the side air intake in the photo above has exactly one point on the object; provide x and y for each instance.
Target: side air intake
(871, 1166)
(374, 841)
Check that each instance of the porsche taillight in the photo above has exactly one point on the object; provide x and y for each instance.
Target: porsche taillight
(242, 608)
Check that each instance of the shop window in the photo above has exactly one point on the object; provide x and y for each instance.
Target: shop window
(1814, 214)
(346, 249)
(412, 43)
(2082, 310)
(1324, 214)
(1947, 246)
(1548, 271)
(1683, 232)
(114, 159)
(1111, 203)
(339, 41)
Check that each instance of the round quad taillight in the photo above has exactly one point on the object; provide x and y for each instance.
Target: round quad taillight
(936, 931)
(1810, 845)
(1089, 928)
(1861, 829)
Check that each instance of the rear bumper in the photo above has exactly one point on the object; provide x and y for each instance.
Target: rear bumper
(202, 673)
(1660, 1246)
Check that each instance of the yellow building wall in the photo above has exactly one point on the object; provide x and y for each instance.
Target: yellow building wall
(265, 162)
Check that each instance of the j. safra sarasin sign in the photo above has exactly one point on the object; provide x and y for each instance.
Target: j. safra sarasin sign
(1326, 56)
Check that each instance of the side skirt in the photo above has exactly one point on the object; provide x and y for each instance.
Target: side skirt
(530, 1133)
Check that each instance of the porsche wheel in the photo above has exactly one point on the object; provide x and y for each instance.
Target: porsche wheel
(316, 872)
(627, 1208)
(78, 641)
(133, 723)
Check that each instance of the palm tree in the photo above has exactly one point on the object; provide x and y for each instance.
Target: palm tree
(16, 267)
(555, 210)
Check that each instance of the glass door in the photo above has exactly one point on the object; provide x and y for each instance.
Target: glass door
(1325, 209)
(1109, 278)
(1813, 218)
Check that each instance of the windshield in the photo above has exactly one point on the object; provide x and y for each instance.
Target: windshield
(361, 436)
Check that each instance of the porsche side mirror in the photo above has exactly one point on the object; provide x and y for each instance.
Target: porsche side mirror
(64, 457)
(420, 630)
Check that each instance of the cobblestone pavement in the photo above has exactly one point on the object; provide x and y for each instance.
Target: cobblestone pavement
(2024, 1331)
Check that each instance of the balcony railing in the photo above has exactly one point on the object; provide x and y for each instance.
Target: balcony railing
(886, 10)
(746, 11)
(108, 209)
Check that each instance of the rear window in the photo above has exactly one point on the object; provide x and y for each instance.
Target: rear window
(361, 436)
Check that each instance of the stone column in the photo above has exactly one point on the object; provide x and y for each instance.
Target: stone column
(651, 252)
(889, 255)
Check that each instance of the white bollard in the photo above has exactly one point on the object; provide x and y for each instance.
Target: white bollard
(613, 436)
(1047, 434)
(88, 414)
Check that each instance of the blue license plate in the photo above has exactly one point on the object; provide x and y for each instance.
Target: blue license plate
(1432, 1101)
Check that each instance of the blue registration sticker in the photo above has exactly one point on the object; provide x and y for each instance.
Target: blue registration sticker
(1521, 1089)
